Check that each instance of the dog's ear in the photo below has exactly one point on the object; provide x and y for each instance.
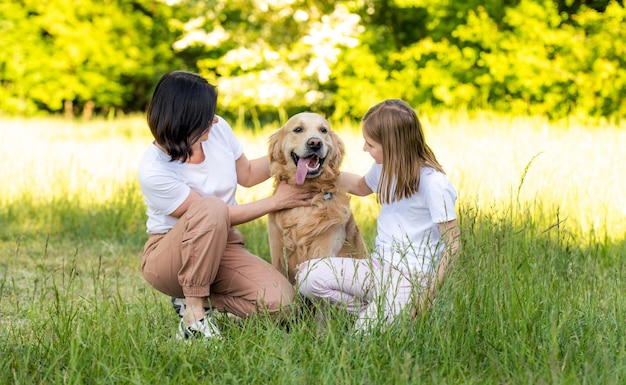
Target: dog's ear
(275, 149)
(338, 150)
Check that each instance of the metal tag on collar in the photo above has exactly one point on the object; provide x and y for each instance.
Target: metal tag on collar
(327, 196)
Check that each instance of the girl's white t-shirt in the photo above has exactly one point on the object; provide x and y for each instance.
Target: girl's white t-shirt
(165, 184)
(407, 231)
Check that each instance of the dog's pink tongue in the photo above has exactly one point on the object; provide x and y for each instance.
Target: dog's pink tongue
(301, 170)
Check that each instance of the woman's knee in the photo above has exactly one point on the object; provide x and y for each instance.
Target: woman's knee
(277, 298)
(209, 211)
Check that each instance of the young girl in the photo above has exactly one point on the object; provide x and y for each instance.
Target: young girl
(189, 177)
(417, 233)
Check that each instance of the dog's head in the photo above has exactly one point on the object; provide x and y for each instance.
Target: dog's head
(305, 147)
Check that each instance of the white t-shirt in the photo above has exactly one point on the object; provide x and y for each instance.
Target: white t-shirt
(407, 232)
(165, 184)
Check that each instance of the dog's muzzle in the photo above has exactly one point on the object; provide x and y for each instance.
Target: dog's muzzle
(307, 167)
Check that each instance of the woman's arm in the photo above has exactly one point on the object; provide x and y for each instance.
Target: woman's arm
(285, 197)
(252, 172)
(180, 210)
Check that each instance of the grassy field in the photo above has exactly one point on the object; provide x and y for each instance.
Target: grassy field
(538, 296)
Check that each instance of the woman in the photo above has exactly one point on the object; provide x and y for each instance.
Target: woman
(189, 176)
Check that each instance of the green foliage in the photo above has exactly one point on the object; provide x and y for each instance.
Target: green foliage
(274, 58)
(523, 57)
(88, 56)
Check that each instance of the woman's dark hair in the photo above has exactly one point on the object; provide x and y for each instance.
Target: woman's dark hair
(180, 111)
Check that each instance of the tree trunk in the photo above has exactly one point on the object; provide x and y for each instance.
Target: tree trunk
(68, 109)
(88, 109)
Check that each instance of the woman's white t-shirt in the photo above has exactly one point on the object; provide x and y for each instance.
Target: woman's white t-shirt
(407, 231)
(165, 184)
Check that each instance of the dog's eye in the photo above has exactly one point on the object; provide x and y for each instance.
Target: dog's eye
(298, 129)
(324, 130)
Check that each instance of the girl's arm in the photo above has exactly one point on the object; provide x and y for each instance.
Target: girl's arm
(451, 236)
(354, 184)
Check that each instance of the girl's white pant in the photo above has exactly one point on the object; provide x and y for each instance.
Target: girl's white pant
(375, 290)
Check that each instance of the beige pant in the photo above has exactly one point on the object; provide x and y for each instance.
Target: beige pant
(203, 256)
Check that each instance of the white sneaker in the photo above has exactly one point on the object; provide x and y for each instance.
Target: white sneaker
(205, 327)
(179, 307)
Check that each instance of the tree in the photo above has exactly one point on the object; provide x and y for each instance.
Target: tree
(268, 56)
(78, 57)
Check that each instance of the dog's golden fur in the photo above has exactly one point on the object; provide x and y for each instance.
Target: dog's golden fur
(327, 227)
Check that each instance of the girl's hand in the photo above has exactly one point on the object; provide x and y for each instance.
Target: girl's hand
(424, 302)
(289, 196)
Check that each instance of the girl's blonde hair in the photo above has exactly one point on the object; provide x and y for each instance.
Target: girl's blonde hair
(394, 124)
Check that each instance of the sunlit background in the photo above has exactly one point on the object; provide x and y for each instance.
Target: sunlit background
(496, 162)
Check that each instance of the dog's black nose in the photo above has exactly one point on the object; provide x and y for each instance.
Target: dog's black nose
(314, 143)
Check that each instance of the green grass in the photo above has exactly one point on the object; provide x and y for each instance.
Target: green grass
(537, 296)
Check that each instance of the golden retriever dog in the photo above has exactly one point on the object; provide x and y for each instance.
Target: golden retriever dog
(305, 151)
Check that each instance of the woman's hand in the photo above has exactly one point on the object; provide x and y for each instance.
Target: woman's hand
(285, 197)
(289, 196)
